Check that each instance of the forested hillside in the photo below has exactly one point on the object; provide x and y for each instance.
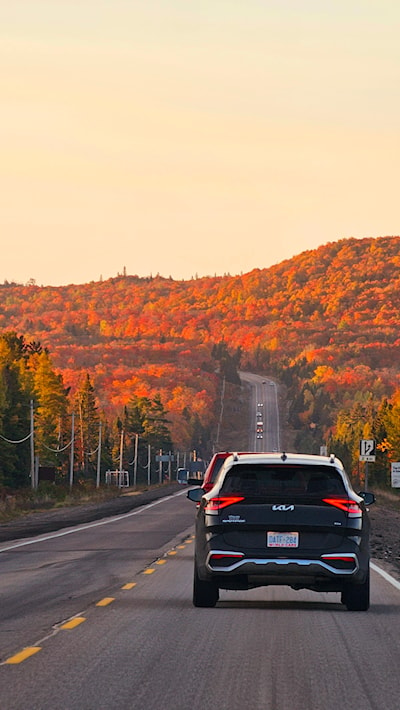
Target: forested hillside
(325, 323)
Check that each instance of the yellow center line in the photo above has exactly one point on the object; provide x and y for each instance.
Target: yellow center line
(129, 585)
(26, 653)
(181, 547)
(172, 552)
(105, 601)
(161, 562)
(149, 570)
(72, 623)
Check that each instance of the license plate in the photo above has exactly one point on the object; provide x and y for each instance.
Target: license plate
(276, 539)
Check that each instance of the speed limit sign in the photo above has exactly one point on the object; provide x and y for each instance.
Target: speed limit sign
(367, 450)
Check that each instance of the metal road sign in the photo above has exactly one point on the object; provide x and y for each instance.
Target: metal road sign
(395, 471)
(367, 450)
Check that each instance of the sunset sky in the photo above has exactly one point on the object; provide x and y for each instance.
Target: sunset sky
(183, 138)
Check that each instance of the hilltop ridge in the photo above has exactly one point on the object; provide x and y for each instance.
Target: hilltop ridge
(332, 313)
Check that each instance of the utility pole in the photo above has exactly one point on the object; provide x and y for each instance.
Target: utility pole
(71, 463)
(98, 459)
(82, 437)
(33, 471)
(135, 463)
(121, 450)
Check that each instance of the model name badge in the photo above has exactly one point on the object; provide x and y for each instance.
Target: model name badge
(283, 507)
(233, 519)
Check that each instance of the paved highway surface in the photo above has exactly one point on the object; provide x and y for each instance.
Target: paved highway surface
(109, 606)
(264, 402)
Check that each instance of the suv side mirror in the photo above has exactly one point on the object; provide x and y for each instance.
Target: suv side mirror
(369, 498)
(195, 494)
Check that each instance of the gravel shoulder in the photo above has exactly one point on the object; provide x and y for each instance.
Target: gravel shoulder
(385, 537)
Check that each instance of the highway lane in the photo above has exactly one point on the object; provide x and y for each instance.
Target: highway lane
(52, 577)
(264, 400)
(149, 648)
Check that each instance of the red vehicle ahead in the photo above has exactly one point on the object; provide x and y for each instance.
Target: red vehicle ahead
(214, 468)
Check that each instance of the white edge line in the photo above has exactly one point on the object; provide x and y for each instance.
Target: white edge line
(385, 575)
(107, 521)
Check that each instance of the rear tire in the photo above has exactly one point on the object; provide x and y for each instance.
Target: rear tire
(205, 593)
(356, 596)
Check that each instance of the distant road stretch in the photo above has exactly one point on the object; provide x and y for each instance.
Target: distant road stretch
(264, 399)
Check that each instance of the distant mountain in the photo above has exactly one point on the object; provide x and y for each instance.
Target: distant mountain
(335, 307)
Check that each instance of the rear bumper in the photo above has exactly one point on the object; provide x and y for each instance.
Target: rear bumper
(311, 573)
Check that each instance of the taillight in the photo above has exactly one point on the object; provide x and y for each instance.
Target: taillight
(216, 504)
(226, 555)
(349, 506)
(341, 562)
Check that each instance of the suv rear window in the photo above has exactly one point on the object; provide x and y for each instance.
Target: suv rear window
(295, 481)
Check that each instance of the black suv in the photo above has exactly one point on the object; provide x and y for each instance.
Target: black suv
(282, 519)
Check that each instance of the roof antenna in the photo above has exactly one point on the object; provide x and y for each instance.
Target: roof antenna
(283, 457)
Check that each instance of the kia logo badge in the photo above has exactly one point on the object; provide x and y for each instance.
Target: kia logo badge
(283, 507)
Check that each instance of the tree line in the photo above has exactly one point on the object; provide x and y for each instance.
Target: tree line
(338, 412)
(28, 381)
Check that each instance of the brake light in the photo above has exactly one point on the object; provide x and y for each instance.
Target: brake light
(226, 555)
(345, 562)
(216, 504)
(349, 506)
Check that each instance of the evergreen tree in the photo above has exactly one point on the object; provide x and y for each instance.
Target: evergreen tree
(52, 428)
(155, 425)
(146, 418)
(15, 396)
(229, 363)
(87, 429)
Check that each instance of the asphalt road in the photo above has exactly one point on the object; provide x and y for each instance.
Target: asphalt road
(146, 647)
(264, 400)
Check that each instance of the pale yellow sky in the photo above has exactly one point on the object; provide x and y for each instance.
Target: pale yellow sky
(193, 138)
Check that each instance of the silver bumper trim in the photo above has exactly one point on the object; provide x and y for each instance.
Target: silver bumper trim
(251, 565)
